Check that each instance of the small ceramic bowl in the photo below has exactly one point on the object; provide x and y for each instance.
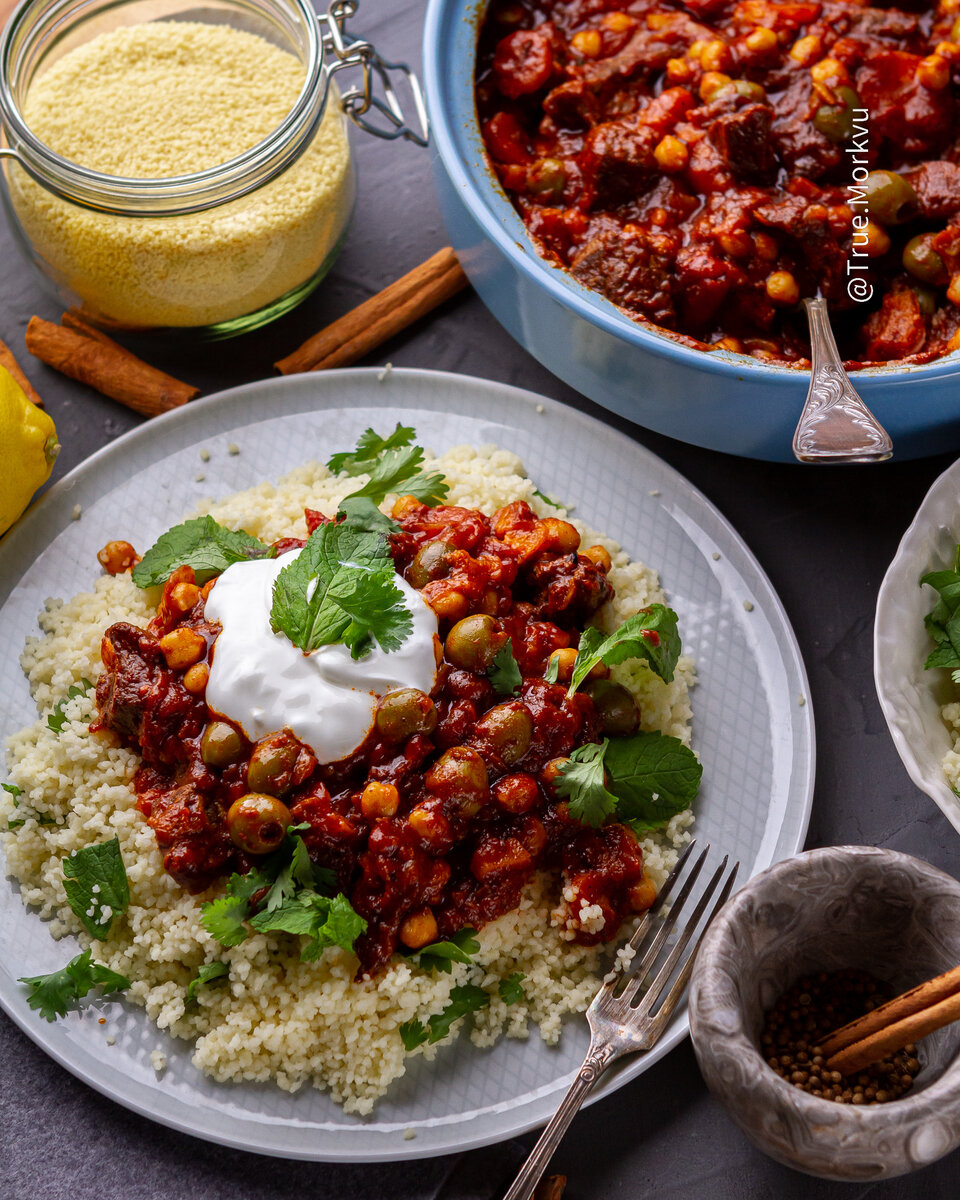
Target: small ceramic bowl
(844, 906)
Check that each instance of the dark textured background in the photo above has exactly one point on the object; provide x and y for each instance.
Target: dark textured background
(824, 535)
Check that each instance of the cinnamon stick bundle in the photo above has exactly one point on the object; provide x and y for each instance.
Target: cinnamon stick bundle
(381, 317)
(7, 360)
(88, 355)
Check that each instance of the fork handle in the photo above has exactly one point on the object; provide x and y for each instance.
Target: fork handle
(594, 1065)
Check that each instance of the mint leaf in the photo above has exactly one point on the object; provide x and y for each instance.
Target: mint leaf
(650, 634)
(326, 922)
(203, 544)
(342, 928)
(511, 989)
(503, 672)
(653, 776)
(440, 956)
(466, 998)
(57, 719)
(413, 1034)
(95, 882)
(370, 446)
(52, 995)
(581, 780)
(208, 973)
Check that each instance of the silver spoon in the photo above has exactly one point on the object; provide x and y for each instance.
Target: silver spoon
(835, 425)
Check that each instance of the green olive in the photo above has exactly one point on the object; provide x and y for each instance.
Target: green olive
(459, 774)
(271, 766)
(834, 121)
(406, 711)
(891, 200)
(927, 298)
(509, 728)
(740, 87)
(220, 745)
(615, 707)
(923, 262)
(547, 177)
(257, 823)
(429, 563)
(473, 642)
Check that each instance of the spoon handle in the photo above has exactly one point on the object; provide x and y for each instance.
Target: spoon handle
(835, 425)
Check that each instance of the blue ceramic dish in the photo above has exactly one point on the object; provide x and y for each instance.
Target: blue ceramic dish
(720, 400)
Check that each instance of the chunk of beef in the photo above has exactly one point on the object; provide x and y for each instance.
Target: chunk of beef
(568, 589)
(917, 120)
(191, 828)
(743, 139)
(898, 329)
(617, 163)
(937, 185)
(628, 268)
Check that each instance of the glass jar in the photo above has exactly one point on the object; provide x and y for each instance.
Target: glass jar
(224, 249)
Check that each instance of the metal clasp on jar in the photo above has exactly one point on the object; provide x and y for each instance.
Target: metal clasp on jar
(362, 103)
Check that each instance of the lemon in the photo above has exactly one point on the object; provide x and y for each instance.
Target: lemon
(28, 449)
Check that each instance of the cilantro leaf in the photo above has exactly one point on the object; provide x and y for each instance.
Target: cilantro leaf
(295, 874)
(546, 499)
(943, 621)
(355, 597)
(203, 544)
(650, 634)
(511, 989)
(57, 719)
(653, 776)
(95, 882)
(225, 917)
(12, 790)
(413, 1034)
(398, 470)
(466, 998)
(52, 995)
(503, 672)
(362, 513)
(208, 973)
(440, 956)
(370, 446)
(581, 780)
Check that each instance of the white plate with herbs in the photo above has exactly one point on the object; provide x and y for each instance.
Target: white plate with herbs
(753, 723)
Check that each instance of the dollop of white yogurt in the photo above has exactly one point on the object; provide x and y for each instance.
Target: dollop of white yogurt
(264, 683)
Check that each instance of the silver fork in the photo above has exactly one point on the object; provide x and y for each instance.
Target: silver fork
(618, 1025)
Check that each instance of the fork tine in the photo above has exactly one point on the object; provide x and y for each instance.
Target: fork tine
(660, 979)
(666, 926)
(653, 912)
(672, 998)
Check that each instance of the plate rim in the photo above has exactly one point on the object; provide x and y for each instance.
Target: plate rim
(535, 405)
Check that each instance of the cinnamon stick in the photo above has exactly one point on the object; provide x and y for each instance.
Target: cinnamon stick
(381, 317)
(7, 360)
(913, 1001)
(101, 363)
(73, 320)
(894, 1037)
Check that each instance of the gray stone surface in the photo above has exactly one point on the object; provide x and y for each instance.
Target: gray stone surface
(824, 535)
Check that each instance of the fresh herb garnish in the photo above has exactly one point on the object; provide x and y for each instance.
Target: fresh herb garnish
(52, 995)
(440, 956)
(325, 921)
(511, 989)
(399, 470)
(651, 777)
(503, 672)
(355, 598)
(40, 818)
(208, 973)
(95, 882)
(203, 544)
(546, 499)
(650, 634)
(225, 918)
(553, 669)
(57, 719)
(466, 998)
(943, 621)
(370, 445)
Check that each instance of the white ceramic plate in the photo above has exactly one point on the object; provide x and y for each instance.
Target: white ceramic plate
(910, 696)
(753, 724)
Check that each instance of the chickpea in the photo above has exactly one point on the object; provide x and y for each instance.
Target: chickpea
(271, 765)
(405, 506)
(679, 71)
(516, 793)
(550, 772)
(419, 929)
(182, 648)
(460, 774)
(715, 56)
(587, 43)
(599, 556)
(430, 825)
(766, 246)
(618, 22)
(117, 557)
(379, 800)
(711, 83)
(563, 536)
(728, 343)
(404, 712)
(874, 239)
(509, 728)
(933, 73)
(829, 70)
(533, 836)
(761, 40)
(671, 154)
(564, 659)
(257, 823)
(642, 894)
(472, 643)
(615, 706)
(195, 678)
(782, 288)
(183, 596)
(806, 50)
(221, 744)
(429, 563)
(449, 606)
